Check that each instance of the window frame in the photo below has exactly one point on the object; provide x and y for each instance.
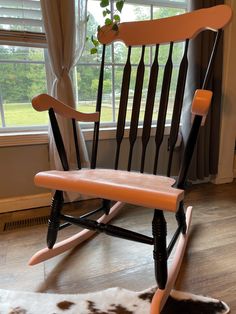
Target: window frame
(49, 82)
(26, 39)
(28, 135)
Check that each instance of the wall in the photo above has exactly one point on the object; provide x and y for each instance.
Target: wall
(19, 164)
(17, 167)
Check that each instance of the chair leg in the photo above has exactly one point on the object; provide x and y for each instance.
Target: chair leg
(160, 253)
(181, 218)
(73, 241)
(54, 221)
(160, 297)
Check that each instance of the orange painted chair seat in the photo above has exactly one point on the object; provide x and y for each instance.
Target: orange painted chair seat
(146, 190)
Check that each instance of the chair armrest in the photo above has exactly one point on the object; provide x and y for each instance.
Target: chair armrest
(201, 103)
(44, 102)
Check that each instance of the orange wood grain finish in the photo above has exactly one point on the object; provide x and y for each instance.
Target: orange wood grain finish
(44, 102)
(171, 29)
(130, 187)
(73, 241)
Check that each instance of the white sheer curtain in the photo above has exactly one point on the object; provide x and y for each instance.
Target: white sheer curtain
(65, 27)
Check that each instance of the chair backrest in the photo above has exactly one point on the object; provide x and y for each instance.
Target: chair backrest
(156, 33)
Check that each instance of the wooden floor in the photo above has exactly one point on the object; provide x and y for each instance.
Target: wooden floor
(209, 266)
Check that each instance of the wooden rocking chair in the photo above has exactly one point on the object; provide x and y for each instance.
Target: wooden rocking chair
(159, 193)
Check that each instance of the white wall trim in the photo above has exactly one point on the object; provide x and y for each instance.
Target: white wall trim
(41, 137)
(23, 138)
(24, 202)
(221, 180)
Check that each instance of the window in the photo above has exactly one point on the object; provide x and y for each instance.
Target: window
(88, 67)
(25, 70)
(22, 63)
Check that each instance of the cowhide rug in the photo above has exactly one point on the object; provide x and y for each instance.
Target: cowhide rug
(110, 301)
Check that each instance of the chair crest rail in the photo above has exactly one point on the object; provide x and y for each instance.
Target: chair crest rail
(175, 28)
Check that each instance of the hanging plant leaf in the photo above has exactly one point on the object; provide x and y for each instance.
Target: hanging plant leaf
(94, 41)
(93, 51)
(108, 21)
(117, 18)
(115, 27)
(104, 3)
(119, 5)
(112, 20)
(105, 12)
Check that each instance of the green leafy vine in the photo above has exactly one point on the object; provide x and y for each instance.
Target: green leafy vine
(111, 18)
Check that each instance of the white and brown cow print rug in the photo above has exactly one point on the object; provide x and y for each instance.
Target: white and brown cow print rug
(110, 301)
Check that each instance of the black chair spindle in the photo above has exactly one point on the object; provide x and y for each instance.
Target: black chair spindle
(123, 106)
(147, 123)
(76, 143)
(136, 107)
(163, 106)
(178, 103)
(98, 109)
(58, 140)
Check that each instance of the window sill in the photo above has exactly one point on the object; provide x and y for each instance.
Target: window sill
(41, 137)
(23, 138)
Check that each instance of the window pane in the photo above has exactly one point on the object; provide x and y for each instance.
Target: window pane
(21, 53)
(107, 108)
(178, 51)
(21, 15)
(22, 77)
(160, 12)
(87, 82)
(95, 18)
(88, 72)
(119, 75)
(118, 82)
(134, 12)
(120, 53)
